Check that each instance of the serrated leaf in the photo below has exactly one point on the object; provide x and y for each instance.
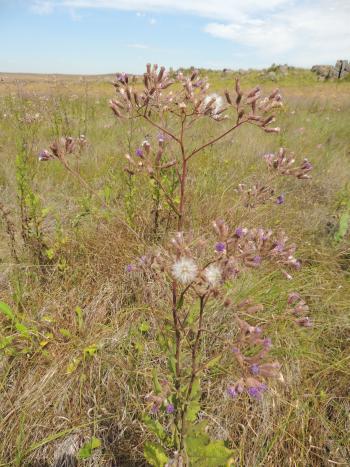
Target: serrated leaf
(86, 450)
(155, 455)
(196, 389)
(73, 365)
(156, 383)
(6, 310)
(155, 427)
(204, 452)
(192, 411)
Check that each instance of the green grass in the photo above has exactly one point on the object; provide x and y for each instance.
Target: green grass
(84, 375)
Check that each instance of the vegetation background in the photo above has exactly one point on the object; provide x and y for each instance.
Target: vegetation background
(77, 347)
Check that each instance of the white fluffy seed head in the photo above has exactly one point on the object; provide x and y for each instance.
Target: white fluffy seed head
(213, 275)
(185, 270)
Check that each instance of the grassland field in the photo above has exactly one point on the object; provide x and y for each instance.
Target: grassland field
(82, 364)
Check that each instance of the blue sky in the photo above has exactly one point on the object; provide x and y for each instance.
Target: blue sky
(104, 36)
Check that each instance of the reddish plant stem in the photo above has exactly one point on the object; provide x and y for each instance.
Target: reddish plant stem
(215, 140)
(177, 358)
(183, 178)
(182, 175)
(182, 196)
(194, 371)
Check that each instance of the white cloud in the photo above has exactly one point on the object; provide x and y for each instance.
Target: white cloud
(301, 32)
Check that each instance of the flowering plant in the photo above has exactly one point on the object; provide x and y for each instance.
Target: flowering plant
(173, 106)
(198, 275)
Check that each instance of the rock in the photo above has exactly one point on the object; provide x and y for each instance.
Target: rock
(283, 69)
(339, 71)
(272, 76)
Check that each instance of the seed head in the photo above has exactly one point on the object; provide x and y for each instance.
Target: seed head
(213, 275)
(185, 270)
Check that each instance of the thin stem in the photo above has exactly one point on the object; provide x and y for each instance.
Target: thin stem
(183, 178)
(164, 130)
(177, 357)
(213, 141)
(194, 355)
(168, 197)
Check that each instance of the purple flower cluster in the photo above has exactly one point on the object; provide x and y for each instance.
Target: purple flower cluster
(239, 232)
(257, 391)
(220, 247)
(280, 199)
(170, 408)
(255, 369)
(231, 391)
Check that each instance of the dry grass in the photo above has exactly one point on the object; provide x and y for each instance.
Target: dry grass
(49, 407)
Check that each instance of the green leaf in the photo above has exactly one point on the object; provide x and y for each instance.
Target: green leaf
(90, 350)
(65, 332)
(172, 364)
(107, 191)
(163, 342)
(213, 362)
(194, 404)
(156, 383)
(5, 341)
(50, 253)
(180, 303)
(155, 427)
(45, 212)
(86, 450)
(202, 451)
(144, 327)
(192, 411)
(155, 455)
(196, 389)
(73, 365)
(344, 223)
(79, 313)
(6, 310)
(193, 314)
(22, 329)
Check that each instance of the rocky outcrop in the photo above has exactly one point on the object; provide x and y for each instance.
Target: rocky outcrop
(339, 71)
